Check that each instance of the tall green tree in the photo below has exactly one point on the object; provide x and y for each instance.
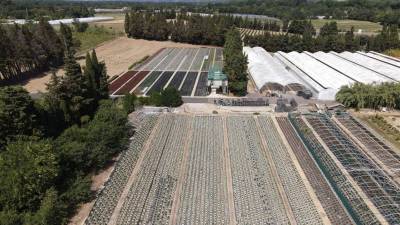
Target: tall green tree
(27, 169)
(18, 115)
(235, 63)
(95, 73)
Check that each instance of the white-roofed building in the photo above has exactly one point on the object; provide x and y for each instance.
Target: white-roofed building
(350, 69)
(323, 74)
(268, 73)
(372, 64)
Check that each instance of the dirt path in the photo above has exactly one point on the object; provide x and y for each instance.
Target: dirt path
(132, 178)
(229, 182)
(118, 55)
(179, 186)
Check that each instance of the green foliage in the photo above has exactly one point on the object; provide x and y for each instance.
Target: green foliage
(67, 40)
(329, 40)
(28, 49)
(96, 77)
(300, 26)
(90, 146)
(193, 29)
(18, 115)
(386, 129)
(78, 191)
(93, 36)
(80, 27)
(147, 26)
(128, 102)
(235, 63)
(48, 213)
(370, 96)
(329, 29)
(76, 95)
(155, 98)
(43, 180)
(38, 9)
(10, 217)
(27, 169)
(170, 97)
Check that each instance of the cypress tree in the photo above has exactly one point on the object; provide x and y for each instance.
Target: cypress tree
(127, 24)
(89, 74)
(66, 38)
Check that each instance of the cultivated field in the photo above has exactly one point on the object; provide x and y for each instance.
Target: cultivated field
(366, 26)
(118, 54)
(374, 174)
(186, 69)
(234, 169)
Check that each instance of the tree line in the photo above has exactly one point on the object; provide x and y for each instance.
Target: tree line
(385, 12)
(28, 49)
(34, 10)
(193, 29)
(51, 146)
(328, 39)
(235, 63)
(373, 96)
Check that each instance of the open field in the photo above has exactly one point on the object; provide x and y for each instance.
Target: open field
(118, 54)
(116, 25)
(186, 69)
(366, 26)
(94, 36)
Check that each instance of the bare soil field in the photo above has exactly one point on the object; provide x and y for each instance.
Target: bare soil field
(118, 54)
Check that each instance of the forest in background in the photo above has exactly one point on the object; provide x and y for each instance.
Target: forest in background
(301, 36)
(382, 11)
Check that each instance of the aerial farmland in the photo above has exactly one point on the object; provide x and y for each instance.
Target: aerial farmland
(252, 169)
(185, 69)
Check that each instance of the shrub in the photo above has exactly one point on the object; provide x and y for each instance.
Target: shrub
(171, 97)
(128, 103)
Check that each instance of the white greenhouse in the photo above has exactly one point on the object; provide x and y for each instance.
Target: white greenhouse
(323, 74)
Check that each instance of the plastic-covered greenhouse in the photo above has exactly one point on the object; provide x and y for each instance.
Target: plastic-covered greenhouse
(321, 73)
(268, 73)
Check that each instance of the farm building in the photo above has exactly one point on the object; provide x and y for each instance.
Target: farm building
(217, 80)
(321, 73)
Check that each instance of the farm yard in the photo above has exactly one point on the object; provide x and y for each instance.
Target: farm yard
(251, 169)
(185, 69)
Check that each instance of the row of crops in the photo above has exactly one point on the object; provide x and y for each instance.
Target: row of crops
(185, 69)
(108, 198)
(250, 32)
(212, 169)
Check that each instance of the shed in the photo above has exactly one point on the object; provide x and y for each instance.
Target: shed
(217, 80)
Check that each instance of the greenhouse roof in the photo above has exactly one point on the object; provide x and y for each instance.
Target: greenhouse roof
(215, 73)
